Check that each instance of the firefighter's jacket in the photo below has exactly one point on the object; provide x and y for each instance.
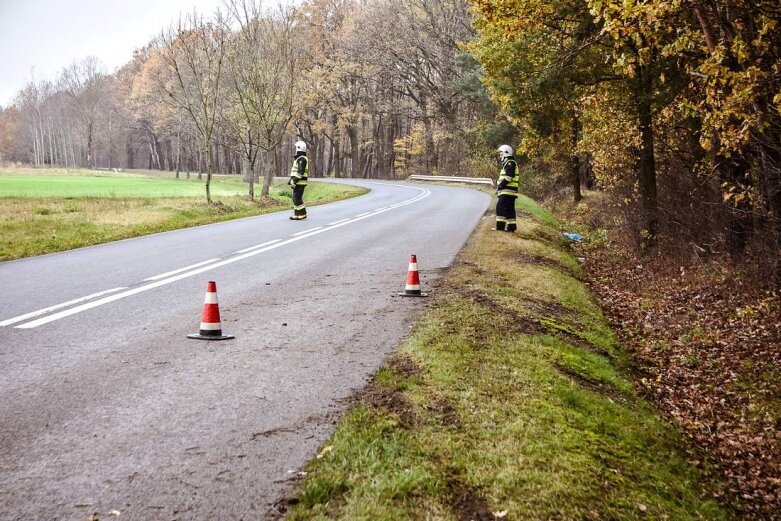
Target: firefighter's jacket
(508, 178)
(299, 173)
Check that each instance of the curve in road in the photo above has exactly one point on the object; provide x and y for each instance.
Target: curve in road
(106, 405)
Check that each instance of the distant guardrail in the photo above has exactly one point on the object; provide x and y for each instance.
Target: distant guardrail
(453, 179)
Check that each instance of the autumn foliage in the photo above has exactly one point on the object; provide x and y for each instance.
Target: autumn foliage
(673, 106)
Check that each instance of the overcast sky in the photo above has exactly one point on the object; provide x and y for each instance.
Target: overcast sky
(44, 36)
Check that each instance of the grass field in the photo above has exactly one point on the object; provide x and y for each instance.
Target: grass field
(44, 211)
(114, 185)
(510, 399)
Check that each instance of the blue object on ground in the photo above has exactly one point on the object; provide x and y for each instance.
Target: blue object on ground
(576, 237)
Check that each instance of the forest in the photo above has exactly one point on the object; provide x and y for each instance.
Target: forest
(655, 124)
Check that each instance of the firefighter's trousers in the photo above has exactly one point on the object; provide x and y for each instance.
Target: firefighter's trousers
(505, 213)
(299, 208)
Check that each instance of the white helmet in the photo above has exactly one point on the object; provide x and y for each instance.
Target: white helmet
(505, 151)
(300, 146)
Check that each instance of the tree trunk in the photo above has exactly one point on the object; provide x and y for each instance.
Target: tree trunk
(575, 165)
(643, 93)
(355, 150)
(367, 164)
(89, 145)
(109, 141)
(432, 163)
(337, 161)
(200, 163)
(209, 159)
(178, 153)
(249, 176)
(735, 176)
(268, 175)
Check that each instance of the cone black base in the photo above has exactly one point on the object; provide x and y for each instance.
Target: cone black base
(199, 336)
(404, 294)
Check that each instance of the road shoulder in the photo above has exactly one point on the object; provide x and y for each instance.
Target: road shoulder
(510, 399)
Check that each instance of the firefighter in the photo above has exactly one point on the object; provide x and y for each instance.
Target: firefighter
(507, 190)
(299, 174)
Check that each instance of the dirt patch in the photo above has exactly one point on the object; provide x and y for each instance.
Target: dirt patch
(600, 388)
(474, 267)
(404, 366)
(446, 413)
(546, 307)
(266, 201)
(391, 400)
(517, 323)
(544, 261)
(478, 272)
(540, 235)
(467, 503)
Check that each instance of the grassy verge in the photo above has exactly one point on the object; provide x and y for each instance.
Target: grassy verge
(507, 401)
(34, 220)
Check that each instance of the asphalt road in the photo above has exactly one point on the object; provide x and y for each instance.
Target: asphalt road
(105, 404)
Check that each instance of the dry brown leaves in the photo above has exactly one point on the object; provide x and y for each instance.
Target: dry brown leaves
(706, 346)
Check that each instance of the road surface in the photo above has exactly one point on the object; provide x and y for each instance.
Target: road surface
(105, 404)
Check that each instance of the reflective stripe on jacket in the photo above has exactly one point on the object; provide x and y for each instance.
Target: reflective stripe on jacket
(297, 174)
(508, 178)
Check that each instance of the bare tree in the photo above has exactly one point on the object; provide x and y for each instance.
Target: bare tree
(194, 53)
(262, 82)
(85, 84)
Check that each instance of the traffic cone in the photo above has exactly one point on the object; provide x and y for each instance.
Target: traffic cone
(412, 288)
(210, 318)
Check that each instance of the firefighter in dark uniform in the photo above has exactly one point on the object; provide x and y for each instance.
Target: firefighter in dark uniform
(299, 174)
(507, 190)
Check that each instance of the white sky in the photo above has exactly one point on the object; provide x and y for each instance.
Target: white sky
(45, 36)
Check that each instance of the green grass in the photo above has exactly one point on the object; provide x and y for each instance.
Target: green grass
(509, 396)
(57, 210)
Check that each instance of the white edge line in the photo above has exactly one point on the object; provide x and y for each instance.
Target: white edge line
(338, 222)
(203, 269)
(245, 250)
(174, 272)
(362, 214)
(306, 231)
(33, 314)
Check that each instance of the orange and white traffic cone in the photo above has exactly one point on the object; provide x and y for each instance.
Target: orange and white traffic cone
(412, 288)
(210, 318)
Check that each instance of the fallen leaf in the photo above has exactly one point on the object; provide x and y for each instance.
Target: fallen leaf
(325, 451)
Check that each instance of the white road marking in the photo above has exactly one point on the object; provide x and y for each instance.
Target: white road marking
(337, 222)
(305, 231)
(362, 214)
(245, 250)
(33, 314)
(174, 272)
(255, 250)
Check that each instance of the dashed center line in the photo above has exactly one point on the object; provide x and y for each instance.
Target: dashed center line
(112, 295)
(174, 272)
(306, 231)
(33, 314)
(245, 250)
